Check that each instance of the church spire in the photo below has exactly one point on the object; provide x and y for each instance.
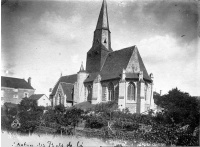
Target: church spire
(102, 22)
(101, 46)
(102, 31)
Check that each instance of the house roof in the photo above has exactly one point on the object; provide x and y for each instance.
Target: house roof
(10, 105)
(16, 83)
(66, 79)
(36, 96)
(67, 89)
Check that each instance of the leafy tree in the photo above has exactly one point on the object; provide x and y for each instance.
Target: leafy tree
(30, 114)
(59, 108)
(72, 116)
(50, 116)
(27, 104)
(156, 96)
(7, 116)
(180, 108)
(105, 107)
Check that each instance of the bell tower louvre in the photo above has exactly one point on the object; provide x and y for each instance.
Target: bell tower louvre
(101, 42)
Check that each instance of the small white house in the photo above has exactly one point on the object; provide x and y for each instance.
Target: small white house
(42, 99)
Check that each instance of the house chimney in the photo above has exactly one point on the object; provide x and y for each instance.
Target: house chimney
(29, 81)
(160, 92)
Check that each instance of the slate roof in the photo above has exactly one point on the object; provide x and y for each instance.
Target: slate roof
(103, 17)
(117, 61)
(36, 96)
(67, 89)
(66, 79)
(16, 83)
(91, 77)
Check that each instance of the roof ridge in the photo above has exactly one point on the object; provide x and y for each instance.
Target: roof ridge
(124, 49)
(13, 78)
(13, 82)
(67, 83)
(69, 75)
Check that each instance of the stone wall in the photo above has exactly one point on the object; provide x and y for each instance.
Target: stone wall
(132, 107)
(14, 95)
(76, 94)
(44, 101)
(81, 76)
(104, 94)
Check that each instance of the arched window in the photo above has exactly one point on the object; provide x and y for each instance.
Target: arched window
(145, 91)
(89, 98)
(59, 95)
(110, 92)
(131, 91)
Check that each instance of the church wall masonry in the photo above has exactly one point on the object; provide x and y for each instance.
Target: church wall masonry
(133, 65)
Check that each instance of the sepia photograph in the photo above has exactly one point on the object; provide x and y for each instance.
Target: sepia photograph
(100, 73)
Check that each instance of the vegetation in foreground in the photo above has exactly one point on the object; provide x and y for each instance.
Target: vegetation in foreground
(176, 124)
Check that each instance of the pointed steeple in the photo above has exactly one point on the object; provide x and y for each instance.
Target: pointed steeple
(103, 17)
(102, 32)
(101, 46)
(81, 68)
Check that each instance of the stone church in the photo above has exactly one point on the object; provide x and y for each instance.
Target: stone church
(109, 75)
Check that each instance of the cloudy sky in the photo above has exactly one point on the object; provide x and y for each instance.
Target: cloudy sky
(42, 39)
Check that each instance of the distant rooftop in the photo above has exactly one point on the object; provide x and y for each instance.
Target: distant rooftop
(16, 83)
(36, 96)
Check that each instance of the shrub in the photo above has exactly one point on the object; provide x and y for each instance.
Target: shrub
(72, 116)
(96, 122)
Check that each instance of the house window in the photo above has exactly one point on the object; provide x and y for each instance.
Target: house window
(2, 93)
(110, 92)
(15, 96)
(25, 94)
(131, 91)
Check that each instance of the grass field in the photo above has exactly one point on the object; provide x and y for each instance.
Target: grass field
(35, 140)
(43, 140)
